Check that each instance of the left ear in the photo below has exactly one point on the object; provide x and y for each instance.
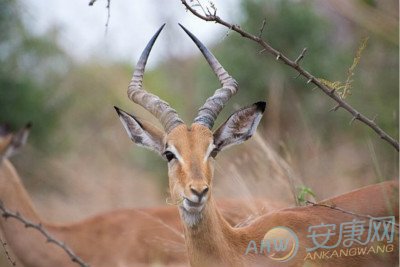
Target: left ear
(142, 133)
(13, 142)
(239, 127)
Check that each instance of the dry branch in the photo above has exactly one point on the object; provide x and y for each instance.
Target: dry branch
(4, 244)
(39, 227)
(108, 7)
(264, 22)
(108, 13)
(345, 211)
(356, 115)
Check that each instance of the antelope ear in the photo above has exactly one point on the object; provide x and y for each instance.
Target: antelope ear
(239, 127)
(142, 133)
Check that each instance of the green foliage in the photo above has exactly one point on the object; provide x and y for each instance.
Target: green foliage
(343, 88)
(304, 193)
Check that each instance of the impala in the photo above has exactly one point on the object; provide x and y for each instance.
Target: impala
(190, 151)
(129, 237)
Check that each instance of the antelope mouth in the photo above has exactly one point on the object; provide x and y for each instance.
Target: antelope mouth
(191, 206)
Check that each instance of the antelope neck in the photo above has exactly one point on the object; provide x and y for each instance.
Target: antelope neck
(13, 194)
(208, 242)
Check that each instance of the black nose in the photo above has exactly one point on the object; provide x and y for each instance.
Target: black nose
(199, 193)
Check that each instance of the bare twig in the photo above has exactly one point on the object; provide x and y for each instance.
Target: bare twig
(91, 3)
(108, 13)
(336, 107)
(354, 118)
(262, 27)
(374, 118)
(201, 6)
(297, 76)
(301, 56)
(346, 211)
(214, 8)
(309, 77)
(4, 244)
(39, 227)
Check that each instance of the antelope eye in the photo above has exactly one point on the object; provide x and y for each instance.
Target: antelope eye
(169, 155)
(214, 153)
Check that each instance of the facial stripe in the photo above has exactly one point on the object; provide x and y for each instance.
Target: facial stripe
(210, 148)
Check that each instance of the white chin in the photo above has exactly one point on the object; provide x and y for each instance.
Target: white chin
(191, 214)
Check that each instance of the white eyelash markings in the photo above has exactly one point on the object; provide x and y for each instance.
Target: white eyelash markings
(209, 150)
(176, 153)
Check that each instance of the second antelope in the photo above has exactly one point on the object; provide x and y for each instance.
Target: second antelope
(191, 150)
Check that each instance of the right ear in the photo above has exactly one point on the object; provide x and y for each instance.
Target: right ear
(142, 133)
(239, 127)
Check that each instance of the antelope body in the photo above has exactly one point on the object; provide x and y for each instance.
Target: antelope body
(191, 150)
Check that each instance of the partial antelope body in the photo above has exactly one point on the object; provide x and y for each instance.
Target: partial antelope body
(131, 237)
(190, 152)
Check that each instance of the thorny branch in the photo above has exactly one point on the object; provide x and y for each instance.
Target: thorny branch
(333, 207)
(264, 22)
(341, 103)
(49, 238)
(4, 244)
(91, 3)
(108, 13)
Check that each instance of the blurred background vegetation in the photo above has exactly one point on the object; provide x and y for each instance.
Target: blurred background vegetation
(80, 161)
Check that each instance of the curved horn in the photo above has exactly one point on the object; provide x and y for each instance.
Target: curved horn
(212, 107)
(160, 109)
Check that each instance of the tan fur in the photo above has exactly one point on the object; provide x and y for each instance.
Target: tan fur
(214, 242)
(4, 141)
(194, 172)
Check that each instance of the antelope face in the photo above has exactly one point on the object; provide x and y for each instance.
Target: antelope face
(190, 166)
(189, 150)
(190, 153)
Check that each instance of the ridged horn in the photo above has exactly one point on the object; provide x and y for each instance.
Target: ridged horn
(159, 108)
(208, 113)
